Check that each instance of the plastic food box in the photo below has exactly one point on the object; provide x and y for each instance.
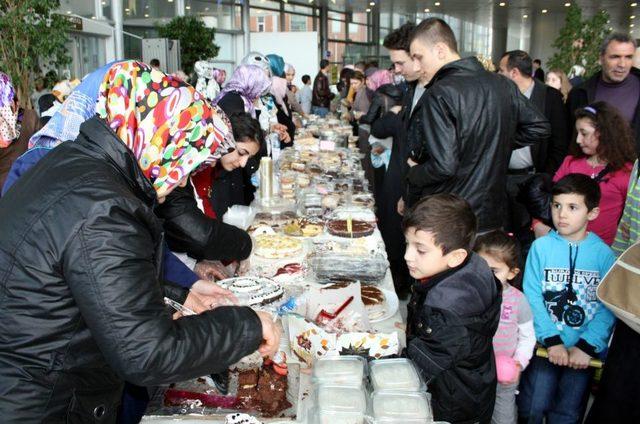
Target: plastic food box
(340, 371)
(395, 375)
(328, 266)
(340, 405)
(401, 407)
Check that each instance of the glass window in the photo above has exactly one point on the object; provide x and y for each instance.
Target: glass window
(358, 33)
(214, 15)
(262, 20)
(385, 20)
(106, 9)
(136, 9)
(336, 15)
(266, 4)
(337, 49)
(360, 18)
(297, 22)
(305, 10)
(336, 30)
(78, 7)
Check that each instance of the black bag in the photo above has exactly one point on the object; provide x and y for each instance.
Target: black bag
(535, 195)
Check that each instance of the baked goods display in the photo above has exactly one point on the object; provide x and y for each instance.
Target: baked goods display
(340, 228)
(275, 246)
(263, 390)
(272, 219)
(253, 291)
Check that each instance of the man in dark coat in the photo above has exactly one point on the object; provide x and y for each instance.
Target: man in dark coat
(322, 95)
(470, 120)
(618, 83)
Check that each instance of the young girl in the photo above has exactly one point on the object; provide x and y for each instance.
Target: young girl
(515, 338)
(604, 150)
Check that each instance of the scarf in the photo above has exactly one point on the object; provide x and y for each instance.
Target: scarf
(250, 82)
(9, 128)
(276, 64)
(379, 78)
(279, 91)
(168, 126)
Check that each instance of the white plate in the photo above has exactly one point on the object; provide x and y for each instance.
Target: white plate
(392, 303)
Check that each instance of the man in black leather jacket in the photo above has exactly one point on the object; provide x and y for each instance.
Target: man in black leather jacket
(470, 118)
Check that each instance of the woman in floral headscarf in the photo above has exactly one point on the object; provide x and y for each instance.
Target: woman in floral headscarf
(16, 126)
(82, 301)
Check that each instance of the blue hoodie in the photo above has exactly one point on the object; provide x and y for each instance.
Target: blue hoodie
(563, 313)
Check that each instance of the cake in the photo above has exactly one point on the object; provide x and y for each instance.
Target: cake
(359, 228)
(304, 228)
(374, 301)
(277, 246)
(253, 291)
(263, 390)
(274, 220)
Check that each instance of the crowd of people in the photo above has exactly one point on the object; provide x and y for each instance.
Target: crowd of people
(503, 199)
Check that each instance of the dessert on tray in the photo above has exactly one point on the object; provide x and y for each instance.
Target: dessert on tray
(304, 227)
(340, 228)
(253, 291)
(277, 246)
(374, 301)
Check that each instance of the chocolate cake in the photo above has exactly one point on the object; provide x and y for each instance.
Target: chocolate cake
(264, 391)
(359, 228)
(371, 295)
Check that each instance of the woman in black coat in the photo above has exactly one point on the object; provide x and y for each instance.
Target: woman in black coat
(82, 301)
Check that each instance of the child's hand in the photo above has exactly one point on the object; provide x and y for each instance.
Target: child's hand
(578, 359)
(558, 355)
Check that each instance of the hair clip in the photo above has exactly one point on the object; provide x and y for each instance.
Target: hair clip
(590, 109)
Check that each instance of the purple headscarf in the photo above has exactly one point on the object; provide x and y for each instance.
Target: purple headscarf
(9, 129)
(379, 78)
(250, 82)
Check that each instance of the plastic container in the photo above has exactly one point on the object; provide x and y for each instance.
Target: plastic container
(340, 404)
(401, 407)
(340, 371)
(395, 375)
(340, 267)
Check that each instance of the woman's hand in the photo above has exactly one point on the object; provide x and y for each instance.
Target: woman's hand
(211, 270)
(212, 294)
(270, 335)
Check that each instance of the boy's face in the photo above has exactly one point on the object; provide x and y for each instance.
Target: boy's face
(571, 216)
(425, 259)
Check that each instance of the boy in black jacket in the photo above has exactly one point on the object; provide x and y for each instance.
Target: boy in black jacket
(454, 310)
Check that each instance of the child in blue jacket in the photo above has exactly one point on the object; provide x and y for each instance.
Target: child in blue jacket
(561, 276)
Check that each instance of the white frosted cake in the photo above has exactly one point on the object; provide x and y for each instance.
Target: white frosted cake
(253, 291)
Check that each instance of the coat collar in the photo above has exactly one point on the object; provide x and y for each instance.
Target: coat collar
(96, 136)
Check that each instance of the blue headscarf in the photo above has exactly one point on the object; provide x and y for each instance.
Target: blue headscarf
(277, 65)
(64, 125)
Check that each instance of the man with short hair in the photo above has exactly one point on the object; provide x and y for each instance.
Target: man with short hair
(322, 94)
(618, 83)
(537, 71)
(470, 118)
(542, 158)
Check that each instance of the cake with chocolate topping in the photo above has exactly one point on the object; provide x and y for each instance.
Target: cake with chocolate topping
(264, 391)
(359, 228)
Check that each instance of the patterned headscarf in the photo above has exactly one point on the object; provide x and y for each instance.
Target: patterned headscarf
(258, 59)
(250, 82)
(9, 128)
(170, 128)
(279, 91)
(277, 65)
(379, 78)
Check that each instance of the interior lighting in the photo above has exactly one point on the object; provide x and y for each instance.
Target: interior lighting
(368, 10)
(503, 4)
(632, 17)
(437, 3)
(372, 4)
(525, 16)
(567, 4)
(544, 10)
(427, 10)
(634, 4)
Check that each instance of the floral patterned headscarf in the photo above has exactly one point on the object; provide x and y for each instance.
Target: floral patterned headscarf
(170, 128)
(9, 128)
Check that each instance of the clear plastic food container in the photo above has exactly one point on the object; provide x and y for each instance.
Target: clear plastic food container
(398, 374)
(340, 371)
(401, 407)
(340, 267)
(340, 404)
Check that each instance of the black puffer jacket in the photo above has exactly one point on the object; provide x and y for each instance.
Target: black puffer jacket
(452, 319)
(81, 306)
(468, 120)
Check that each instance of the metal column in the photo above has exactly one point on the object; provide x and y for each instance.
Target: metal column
(246, 27)
(116, 16)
